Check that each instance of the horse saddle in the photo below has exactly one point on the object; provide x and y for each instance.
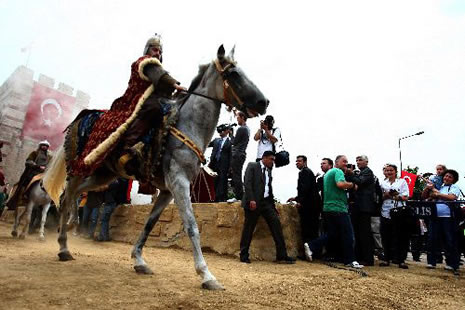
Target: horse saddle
(149, 151)
(34, 179)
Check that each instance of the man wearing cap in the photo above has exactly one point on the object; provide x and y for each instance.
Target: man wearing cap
(36, 163)
(220, 161)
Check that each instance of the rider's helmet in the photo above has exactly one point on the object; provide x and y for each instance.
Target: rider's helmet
(154, 41)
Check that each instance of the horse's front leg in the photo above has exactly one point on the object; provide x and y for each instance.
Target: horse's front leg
(68, 200)
(73, 219)
(17, 216)
(28, 212)
(181, 191)
(42, 221)
(139, 263)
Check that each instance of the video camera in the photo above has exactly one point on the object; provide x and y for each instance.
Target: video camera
(224, 127)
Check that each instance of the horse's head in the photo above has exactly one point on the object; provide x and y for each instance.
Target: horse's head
(239, 91)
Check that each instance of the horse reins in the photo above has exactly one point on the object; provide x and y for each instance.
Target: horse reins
(201, 95)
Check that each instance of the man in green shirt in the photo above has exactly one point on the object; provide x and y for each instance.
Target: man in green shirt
(335, 215)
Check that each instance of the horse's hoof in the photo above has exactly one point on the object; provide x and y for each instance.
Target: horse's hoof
(14, 233)
(42, 238)
(22, 236)
(143, 269)
(212, 285)
(65, 256)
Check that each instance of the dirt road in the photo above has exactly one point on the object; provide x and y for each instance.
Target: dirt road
(102, 277)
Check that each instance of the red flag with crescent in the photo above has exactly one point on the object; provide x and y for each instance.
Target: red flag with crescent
(48, 113)
(410, 178)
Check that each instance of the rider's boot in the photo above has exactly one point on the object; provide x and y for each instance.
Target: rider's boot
(131, 159)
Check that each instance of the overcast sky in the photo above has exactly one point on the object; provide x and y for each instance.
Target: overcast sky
(342, 77)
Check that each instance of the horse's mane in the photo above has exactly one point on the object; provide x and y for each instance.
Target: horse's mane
(181, 99)
(196, 81)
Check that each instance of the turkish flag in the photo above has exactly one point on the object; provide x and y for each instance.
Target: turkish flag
(410, 178)
(48, 113)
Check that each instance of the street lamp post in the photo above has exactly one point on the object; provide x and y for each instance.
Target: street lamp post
(400, 152)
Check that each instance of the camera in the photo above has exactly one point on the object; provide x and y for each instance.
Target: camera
(224, 127)
(351, 166)
(269, 121)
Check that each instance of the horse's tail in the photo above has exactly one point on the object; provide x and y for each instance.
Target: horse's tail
(55, 176)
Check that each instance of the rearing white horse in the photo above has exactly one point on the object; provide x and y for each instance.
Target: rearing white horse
(219, 81)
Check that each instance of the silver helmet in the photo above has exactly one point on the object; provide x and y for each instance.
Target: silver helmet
(153, 41)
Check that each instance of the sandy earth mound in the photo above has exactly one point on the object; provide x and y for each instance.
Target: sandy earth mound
(102, 277)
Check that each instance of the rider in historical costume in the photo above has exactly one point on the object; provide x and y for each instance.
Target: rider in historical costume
(151, 114)
(36, 163)
(132, 115)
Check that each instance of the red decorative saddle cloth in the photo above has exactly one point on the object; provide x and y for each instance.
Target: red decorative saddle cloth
(110, 126)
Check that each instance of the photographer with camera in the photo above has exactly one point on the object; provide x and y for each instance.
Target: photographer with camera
(220, 161)
(267, 136)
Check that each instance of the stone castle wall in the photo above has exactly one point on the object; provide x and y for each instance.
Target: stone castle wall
(220, 226)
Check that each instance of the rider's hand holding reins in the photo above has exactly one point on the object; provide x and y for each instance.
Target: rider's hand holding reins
(179, 88)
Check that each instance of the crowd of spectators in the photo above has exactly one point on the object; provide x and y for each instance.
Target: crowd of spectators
(347, 214)
(353, 198)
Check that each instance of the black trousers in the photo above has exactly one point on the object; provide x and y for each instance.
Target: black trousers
(395, 236)
(266, 209)
(309, 223)
(237, 162)
(221, 185)
(364, 247)
(444, 228)
(417, 241)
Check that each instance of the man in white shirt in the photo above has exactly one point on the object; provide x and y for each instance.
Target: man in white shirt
(267, 136)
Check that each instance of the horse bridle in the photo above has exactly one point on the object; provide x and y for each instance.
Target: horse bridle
(227, 89)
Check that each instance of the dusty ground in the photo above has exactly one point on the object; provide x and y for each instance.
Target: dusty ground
(101, 277)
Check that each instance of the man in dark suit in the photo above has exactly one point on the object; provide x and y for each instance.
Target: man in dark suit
(362, 211)
(258, 200)
(308, 201)
(220, 162)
